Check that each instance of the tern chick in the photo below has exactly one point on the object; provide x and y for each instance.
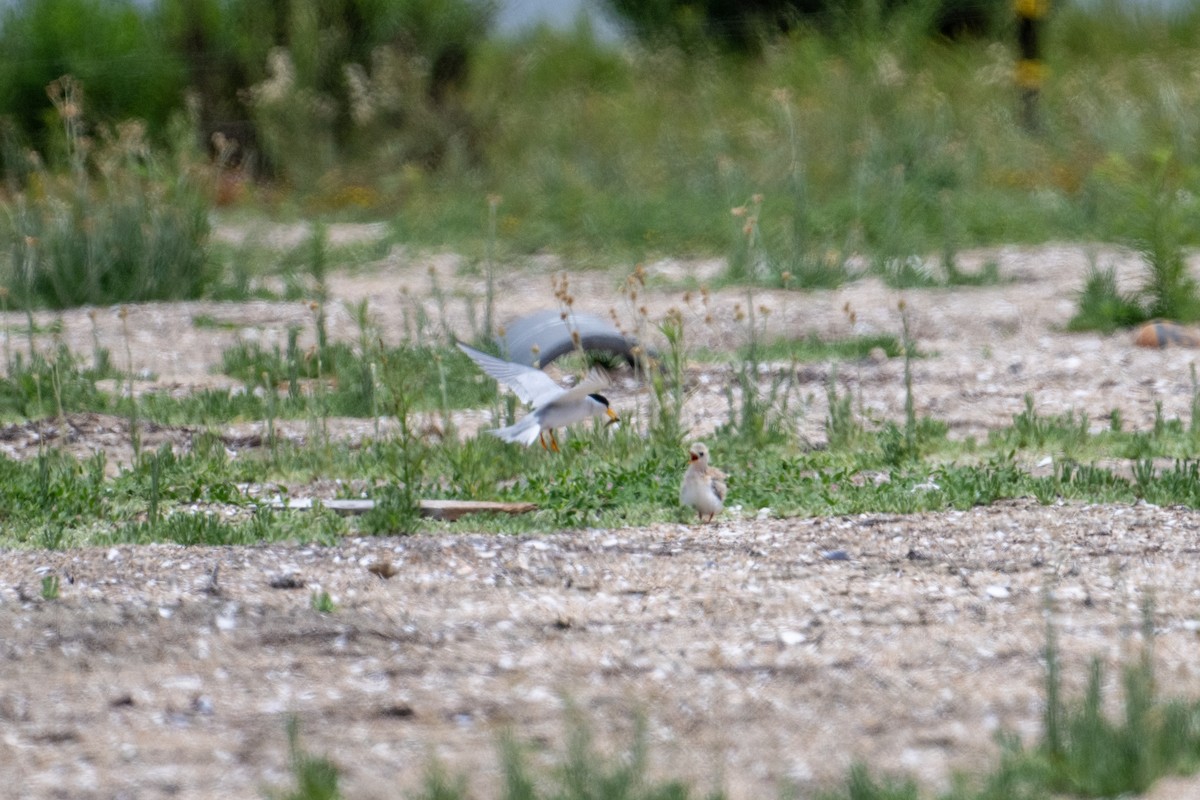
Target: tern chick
(552, 406)
(703, 486)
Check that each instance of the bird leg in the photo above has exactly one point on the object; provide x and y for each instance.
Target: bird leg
(542, 440)
(554, 441)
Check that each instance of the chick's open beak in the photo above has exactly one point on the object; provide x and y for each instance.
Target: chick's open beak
(693, 457)
(612, 417)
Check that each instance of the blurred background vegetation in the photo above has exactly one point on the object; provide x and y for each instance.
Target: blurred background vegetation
(786, 135)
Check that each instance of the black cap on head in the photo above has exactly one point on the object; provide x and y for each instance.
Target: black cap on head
(599, 398)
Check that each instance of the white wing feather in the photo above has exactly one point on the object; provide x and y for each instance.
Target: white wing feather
(533, 386)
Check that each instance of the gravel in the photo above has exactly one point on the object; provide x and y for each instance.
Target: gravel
(760, 652)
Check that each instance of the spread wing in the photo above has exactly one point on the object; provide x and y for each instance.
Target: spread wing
(593, 382)
(533, 386)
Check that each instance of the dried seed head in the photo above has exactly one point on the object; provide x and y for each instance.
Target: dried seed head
(738, 211)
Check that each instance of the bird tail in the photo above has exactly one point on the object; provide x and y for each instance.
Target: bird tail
(525, 431)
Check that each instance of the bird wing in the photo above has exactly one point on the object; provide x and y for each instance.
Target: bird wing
(717, 481)
(533, 386)
(593, 382)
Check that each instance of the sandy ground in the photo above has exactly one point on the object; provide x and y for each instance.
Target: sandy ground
(761, 652)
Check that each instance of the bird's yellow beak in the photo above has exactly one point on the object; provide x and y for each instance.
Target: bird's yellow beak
(612, 417)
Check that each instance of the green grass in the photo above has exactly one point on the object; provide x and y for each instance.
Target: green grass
(122, 221)
(652, 149)
(602, 478)
(316, 777)
(813, 348)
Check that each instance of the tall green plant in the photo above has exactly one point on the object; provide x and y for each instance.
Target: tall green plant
(114, 47)
(125, 222)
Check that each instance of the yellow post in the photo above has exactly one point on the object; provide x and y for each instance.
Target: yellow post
(1031, 70)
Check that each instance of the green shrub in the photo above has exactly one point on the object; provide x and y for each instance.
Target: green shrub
(113, 47)
(123, 223)
(327, 85)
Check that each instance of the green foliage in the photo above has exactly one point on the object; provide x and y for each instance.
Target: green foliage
(113, 47)
(842, 427)
(861, 785)
(1102, 305)
(316, 777)
(53, 490)
(50, 383)
(1085, 753)
(1158, 222)
(582, 772)
(1031, 430)
(329, 83)
(396, 511)
(50, 587)
(666, 377)
(323, 603)
(349, 380)
(124, 224)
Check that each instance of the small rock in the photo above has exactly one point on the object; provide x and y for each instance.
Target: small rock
(791, 638)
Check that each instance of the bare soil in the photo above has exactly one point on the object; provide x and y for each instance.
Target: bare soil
(761, 652)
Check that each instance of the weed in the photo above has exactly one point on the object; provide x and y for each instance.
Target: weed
(396, 510)
(124, 224)
(1102, 306)
(666, 378)
(316, 777)
(582, 772)
(813, 348)
(323, 603)
(842, 428)
(755, 416)
(50, 587)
